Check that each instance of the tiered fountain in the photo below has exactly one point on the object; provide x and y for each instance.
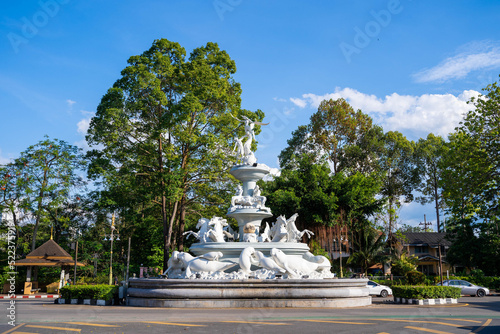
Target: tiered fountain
(248, 268)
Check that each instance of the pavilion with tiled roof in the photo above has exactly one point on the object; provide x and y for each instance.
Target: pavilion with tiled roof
(47, 255)
(50, 254)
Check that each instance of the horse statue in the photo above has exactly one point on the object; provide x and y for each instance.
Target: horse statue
(278, 230)
(293, 234)
(202, 234)
(216, 234)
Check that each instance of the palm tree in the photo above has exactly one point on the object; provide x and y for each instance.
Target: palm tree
(369, 249)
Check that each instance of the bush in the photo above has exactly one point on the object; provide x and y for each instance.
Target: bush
(390, 283)
(102, 291)
(404, 265)
(425, 292)
(415, 278)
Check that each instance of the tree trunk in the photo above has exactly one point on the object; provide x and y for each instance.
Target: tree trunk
(167, 230)
(39, 209)
(182, 222)
(436, 200)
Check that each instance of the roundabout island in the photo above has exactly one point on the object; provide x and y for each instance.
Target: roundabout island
(248, 268)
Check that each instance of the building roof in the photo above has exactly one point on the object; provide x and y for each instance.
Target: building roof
(432, 239)
(48, 254)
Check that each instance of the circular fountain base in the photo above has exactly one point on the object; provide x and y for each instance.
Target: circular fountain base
(248, 293)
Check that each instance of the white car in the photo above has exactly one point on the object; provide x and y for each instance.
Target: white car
(378, 289)
(467, 288)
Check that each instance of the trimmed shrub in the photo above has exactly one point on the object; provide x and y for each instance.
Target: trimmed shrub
(101, 291)
(390, 283)
(415, 278)
(425, 292)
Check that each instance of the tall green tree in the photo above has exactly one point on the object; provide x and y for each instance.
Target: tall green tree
(166, 130)
(395, 162)
(471, 178)
(47, 174)
(323, 200)
(346, 138)
(337, 126)
(427, 155)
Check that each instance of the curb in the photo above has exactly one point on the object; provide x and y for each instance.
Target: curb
(30, 297)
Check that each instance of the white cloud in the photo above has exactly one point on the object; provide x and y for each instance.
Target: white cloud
(3, 160)
(475, 56)
(70, 103)
(83, 126)
(414, 116)
(279, 99)
(298, 102)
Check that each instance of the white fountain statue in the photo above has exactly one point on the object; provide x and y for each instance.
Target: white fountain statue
(218, 256)
(248, 267)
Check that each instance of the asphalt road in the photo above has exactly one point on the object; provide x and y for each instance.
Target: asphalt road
(470, 315)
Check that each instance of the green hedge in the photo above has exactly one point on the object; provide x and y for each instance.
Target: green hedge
(390, 283)
(101, 291)
(415, 278)
(425, 292)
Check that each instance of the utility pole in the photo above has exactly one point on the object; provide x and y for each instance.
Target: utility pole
(111, 238)
(128, 259)
(440, 264)
(425, 223)
(76, 259)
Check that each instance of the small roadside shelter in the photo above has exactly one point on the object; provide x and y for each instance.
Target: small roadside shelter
(50, 254)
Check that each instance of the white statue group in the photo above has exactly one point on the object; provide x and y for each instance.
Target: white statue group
(208, 266)
(255, 201)
(184, 265)
(218, 230)
(213, 230)
(243, 145)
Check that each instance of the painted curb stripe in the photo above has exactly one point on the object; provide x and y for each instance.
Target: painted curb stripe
(427, 330)
(172, 323)
(13, 329)
(483, 326)
(31, 296)
(56, 328)
(341, 322)
(89, 324)
(254, 322)
(427, 322)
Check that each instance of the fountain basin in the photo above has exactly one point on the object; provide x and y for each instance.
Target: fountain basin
(248, 293)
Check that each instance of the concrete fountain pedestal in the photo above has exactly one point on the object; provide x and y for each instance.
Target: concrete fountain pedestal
(250, 293)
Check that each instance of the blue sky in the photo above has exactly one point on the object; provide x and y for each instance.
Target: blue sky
(410, 65)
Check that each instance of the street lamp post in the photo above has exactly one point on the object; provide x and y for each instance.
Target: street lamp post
(111, 238)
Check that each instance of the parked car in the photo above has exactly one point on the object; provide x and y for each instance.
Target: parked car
(467, 288)
(378, 289)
